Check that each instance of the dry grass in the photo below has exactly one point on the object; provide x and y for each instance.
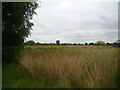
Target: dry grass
(83, 67)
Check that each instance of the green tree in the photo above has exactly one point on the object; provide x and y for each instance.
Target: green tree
(116, 44)
(108, 43)
(86, 43)
(30, 42)
(91, 43)
(37, 43)
(16, 27)
(100, 43)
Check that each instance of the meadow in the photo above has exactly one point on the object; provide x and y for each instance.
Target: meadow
(69, 66)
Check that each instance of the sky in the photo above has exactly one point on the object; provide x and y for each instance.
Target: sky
(73, 21)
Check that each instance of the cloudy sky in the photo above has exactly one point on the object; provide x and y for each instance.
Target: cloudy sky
(74, 21)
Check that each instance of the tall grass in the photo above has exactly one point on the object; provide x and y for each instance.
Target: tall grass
(73, 66)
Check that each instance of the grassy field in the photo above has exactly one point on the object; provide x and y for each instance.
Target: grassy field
(64, 67)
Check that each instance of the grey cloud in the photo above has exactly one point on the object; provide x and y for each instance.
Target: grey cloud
(73, 21)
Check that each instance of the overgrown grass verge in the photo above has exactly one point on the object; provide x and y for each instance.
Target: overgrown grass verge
(16, 76)
(64, 67)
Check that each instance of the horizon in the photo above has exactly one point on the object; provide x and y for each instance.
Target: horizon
(69, 42)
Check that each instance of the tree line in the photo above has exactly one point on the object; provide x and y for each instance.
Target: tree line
(99, 43)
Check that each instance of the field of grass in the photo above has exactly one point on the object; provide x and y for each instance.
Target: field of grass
(64, 67)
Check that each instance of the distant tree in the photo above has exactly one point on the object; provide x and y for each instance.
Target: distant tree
(16, 27)
(116, 44)
(100, 43)
(37, 43)
(51, 43)
(108, 43)
(91, 43)
(86, 43)
(57, 42)
(30, 42)
(74, 43)
(79, 43)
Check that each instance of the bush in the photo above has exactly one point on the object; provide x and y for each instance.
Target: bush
(116, 44)
(100, 43)
(10, 54)
(30, 42)
(91, 43)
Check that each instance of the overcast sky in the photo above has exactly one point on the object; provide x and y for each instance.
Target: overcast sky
(74, 21)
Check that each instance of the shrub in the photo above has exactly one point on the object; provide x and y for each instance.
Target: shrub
(100, 43)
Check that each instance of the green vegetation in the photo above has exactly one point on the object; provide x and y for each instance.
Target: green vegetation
(30, 42)
(16, 76)
(63, 67)
(100, 43)
(16, 27)
(97, 43)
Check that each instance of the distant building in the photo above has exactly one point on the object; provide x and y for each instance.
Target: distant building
(57, 42)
